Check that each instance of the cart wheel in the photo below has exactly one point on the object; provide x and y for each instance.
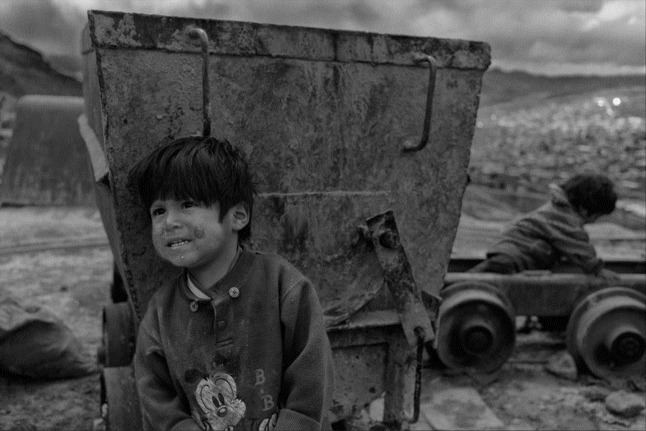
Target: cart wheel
(606, 333)
(476, 327)
(119, 400)
(118, 344)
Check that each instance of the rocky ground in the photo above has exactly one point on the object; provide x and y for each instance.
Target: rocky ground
(72, 280)
(529, 142)
(72, 283)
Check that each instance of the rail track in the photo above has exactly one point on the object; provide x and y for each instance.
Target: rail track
(57, 244)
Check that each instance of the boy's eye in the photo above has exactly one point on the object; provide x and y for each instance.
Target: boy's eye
(156, 211)
(189, 204)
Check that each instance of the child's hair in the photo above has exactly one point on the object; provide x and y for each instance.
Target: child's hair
(203, 169)
(592, 192)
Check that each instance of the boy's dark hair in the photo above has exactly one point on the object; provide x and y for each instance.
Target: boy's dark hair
(203, 169)
(592, 192)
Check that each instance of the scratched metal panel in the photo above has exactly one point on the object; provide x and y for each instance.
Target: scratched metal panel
(364, 368)
(322, 115)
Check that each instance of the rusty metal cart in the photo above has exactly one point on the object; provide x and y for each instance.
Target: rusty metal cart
(360, 143)
(46, 161)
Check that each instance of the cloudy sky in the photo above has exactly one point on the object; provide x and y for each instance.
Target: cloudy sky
(540, 36)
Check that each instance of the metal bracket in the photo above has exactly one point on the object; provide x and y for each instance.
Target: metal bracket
(198, 33)
(398, 276)
(409, 146)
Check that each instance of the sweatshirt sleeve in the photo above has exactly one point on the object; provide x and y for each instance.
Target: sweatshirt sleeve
(308, 376)
(161, 406)
(573, 242)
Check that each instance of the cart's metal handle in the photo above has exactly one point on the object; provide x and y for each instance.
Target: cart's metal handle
(409, 146)
(198, 33)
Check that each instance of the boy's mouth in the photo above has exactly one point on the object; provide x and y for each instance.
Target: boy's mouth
(177, 243)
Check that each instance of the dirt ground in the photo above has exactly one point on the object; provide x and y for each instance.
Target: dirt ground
(59, 260)
(73, 283)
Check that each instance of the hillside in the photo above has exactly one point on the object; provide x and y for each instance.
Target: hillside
(23, 70)
(528, 142)
(500, 87)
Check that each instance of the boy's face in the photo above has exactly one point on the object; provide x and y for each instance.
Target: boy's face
(190, 235)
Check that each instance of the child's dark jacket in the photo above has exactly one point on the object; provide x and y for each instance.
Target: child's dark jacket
(541, 238)
(257, 349)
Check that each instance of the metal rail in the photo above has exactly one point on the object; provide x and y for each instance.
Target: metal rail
(53, 245)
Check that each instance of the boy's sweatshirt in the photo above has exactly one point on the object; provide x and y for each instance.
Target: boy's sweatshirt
(541, 238)
(253, 356)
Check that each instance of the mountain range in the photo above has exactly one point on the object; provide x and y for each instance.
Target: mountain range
(23, 70)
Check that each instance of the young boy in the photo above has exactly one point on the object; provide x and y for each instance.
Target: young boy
(238, 340)
(554, 233)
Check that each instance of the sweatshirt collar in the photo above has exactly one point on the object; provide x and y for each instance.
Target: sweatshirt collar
(558, 196)
(236, 277)
(194, 290)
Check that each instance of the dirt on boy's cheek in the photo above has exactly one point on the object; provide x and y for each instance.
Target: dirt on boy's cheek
(198, 232)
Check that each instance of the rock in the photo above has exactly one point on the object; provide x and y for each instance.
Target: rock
(376, 410)
(638, 425)
(594, 393)
(562, 364)
(462, 408)
(625, 404)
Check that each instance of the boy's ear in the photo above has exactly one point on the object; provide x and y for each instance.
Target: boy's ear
(239, 216)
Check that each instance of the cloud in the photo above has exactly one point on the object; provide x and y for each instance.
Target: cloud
(576, 32)
(43, 24)
(532, 35)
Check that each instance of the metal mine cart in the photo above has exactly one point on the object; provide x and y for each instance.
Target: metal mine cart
(46, 162)
(360, 143)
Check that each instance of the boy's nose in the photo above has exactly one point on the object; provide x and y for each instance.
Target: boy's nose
(172, 219)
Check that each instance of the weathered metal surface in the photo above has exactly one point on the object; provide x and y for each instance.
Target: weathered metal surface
(606, 333)
(375, 358)
(319, 233)
(119, 335)
(120, 30)
(120, 409)
(46, 162)
(321, 114)
(398, 277)
(360, 380)
(542, 293)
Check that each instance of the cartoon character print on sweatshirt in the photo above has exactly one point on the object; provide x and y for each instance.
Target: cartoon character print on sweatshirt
(268, 424)
(217, 397)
